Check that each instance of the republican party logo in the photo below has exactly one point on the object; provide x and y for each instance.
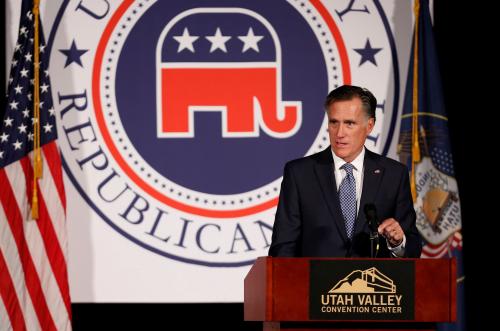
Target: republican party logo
(177, 117)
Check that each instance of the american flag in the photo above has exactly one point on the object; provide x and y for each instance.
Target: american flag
(34, 291)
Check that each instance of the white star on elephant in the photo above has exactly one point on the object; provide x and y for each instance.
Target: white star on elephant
(186, 41)
(250, 41)
(218, 41)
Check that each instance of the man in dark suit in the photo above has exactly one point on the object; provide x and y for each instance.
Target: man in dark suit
(321, 205)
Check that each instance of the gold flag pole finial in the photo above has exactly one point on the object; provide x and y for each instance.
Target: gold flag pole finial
(415, 147)
(37, 155)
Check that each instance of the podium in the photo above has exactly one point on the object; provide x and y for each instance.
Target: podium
(350, 294)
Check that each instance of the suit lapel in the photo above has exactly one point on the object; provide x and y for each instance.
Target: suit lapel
(372, 176)
(324, 172)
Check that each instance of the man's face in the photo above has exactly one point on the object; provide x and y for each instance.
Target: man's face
(348, 127)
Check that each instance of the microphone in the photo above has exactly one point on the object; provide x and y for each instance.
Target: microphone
(371, 217)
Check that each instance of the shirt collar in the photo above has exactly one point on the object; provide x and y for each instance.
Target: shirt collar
(357, 162)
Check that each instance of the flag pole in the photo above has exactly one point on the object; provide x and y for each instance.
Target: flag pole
(37, 162)
(415, 147)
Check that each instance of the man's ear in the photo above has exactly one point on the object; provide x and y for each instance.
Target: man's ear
(370, 125)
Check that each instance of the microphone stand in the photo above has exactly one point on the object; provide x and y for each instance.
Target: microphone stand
(371, 217)
(373, 240)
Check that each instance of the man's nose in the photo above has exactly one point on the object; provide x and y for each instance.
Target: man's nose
(340, 131)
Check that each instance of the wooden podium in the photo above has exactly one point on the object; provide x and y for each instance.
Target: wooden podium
(277, 292)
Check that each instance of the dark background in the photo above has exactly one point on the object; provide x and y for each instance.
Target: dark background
(464, 48)
(463, 44)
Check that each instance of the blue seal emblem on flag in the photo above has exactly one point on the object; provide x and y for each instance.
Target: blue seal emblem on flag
(185, 112)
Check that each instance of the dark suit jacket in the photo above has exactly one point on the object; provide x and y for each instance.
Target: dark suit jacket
(309, 220)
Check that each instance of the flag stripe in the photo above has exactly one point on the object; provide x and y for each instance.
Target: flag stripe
(434, 255)
(4, 317)
(57, 260)
(49, 187)
(53, 249)
(16, 272)
(15, 222)
(437, 251)
(12, 312)
(52, 157)
(41, 262)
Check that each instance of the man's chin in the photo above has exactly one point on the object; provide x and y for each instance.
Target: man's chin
(341, 152)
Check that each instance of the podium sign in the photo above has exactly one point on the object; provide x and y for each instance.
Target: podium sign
(361, 290)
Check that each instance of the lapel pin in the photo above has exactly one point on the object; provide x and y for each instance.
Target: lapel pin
(377, 171)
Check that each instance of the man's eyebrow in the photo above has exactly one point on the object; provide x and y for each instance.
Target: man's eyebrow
(349, 120)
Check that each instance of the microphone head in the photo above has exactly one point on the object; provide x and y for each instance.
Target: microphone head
(371, 216)
(370, 210)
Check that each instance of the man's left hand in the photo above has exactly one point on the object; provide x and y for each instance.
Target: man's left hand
(392, 231)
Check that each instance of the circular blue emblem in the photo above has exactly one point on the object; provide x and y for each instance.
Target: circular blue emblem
(178, 134)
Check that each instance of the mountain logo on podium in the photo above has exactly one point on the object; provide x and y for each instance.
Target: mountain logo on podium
(370, 280)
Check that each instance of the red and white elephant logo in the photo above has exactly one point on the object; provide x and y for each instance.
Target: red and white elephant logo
(236, 74)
